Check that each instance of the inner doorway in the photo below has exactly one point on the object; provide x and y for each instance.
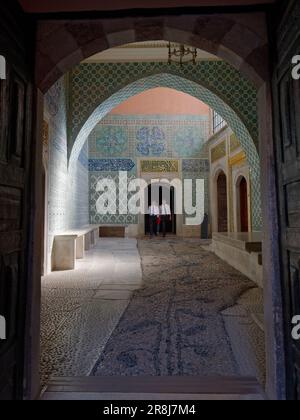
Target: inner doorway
(222, 203)
(160, 194)
(243, 205)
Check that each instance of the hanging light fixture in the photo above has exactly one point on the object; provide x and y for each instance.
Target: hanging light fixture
(182, 55)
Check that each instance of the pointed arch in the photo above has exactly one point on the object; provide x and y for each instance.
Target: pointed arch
(192, 89)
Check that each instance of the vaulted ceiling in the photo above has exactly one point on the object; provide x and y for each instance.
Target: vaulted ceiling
(52, 6)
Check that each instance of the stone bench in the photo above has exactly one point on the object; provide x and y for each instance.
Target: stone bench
(71, 245)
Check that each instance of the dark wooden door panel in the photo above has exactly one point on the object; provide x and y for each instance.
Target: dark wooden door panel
(15, 142)
(222, 203)
(286, 94)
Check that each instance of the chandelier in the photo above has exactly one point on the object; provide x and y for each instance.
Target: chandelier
(182, 54)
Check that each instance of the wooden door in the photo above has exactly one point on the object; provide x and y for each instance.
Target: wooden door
(286, 94)
(222, 203)
(15, 140)
(243, 193)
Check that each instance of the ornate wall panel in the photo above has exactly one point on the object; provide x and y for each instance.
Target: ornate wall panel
(218, 152)
(92, 84)
(193, 89)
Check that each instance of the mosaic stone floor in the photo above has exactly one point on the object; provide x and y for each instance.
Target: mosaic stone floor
(174, 324)
(81, 308)
(183, 311)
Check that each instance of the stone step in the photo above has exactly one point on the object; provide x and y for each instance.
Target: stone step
(247, 341)
(154, 388)
(249, 242)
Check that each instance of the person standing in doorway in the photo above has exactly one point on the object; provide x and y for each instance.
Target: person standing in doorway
(166, 215)
(154, 216)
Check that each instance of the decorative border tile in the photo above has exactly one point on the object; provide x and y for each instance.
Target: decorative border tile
(111, 165)
(195, 165)
(159, 166)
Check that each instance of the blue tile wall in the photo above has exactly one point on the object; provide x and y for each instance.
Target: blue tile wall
(68, 195)
(94, 83)
(145, 136)
(196, 90)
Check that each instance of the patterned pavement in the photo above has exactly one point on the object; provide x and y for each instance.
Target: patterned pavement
(174, 324)
(183, 311)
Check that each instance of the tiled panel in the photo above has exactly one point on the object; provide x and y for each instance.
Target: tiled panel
(94, 83)
(195, 165)
(205, 95)
(56, 109)
(111, 219)
(147, 137)
(161, 166)
(68, 195)
(111, 165)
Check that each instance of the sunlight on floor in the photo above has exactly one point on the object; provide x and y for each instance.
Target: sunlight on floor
(81, 308)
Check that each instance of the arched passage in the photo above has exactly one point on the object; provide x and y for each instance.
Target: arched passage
(197, 91)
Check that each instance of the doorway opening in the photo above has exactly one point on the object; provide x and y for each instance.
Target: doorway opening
(161, 192)
(242, 211)
(190, 165)
(222, 203)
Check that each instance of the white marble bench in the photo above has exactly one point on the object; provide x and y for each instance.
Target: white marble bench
(71, 245)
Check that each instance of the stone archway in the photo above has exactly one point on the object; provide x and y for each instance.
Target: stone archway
(91, 84)
(241, 40)
(197, 91)
(63, 44)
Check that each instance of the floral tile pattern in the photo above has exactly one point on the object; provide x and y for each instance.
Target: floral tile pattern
(148, 136)
(151, 141)
(189, 142)
(112, 141)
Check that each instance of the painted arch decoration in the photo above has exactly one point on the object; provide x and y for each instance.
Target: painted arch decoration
(197, 91)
